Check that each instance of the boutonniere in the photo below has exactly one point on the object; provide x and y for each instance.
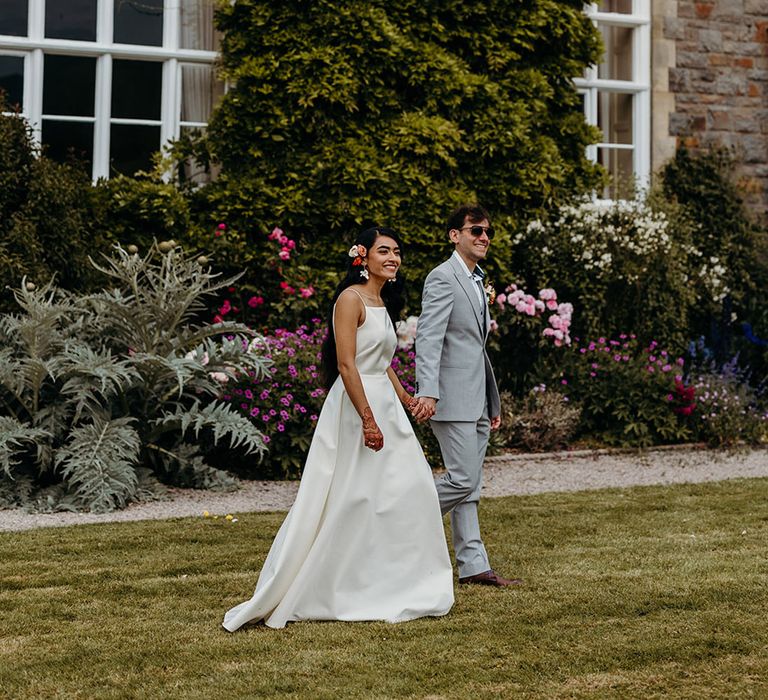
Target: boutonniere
(490, 293)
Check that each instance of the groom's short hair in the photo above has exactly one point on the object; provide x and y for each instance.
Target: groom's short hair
(474, 212)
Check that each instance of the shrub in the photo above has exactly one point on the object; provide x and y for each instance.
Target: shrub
(727, 409)
(103, 389)
(46, 216)
(703, 184)
(624, 265)
(441, 103)
(625, 390)
(543, 420)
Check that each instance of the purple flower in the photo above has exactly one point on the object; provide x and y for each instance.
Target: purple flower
(267, 439)
(280, 428)
(255, 411)
(248, 394)
(264, 395)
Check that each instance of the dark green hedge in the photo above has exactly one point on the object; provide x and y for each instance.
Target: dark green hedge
(346, 113)
(47, 225)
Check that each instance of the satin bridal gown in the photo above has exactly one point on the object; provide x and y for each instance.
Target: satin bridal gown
(364, 538)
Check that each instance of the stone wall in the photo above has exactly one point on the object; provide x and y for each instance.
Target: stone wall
(718, 74)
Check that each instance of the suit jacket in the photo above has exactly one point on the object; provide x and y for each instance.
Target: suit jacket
(452, 364)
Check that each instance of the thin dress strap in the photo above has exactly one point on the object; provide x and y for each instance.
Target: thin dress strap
(352, 289)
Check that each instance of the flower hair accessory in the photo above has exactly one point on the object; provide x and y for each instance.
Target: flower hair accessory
(357, 252)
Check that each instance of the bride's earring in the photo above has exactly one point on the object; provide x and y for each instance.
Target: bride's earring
(364, 272)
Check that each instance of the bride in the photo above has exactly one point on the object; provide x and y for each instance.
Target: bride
(364, 538)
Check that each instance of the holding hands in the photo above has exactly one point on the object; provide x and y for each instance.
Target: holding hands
(422, 408)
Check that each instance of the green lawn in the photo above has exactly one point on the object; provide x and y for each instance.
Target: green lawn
(645, 592)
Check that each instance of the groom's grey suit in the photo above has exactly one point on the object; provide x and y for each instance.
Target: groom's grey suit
(453, 367)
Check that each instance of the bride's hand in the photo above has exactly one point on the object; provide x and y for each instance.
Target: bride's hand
(372, 437)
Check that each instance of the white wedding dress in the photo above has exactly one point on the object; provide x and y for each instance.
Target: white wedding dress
(364, 538)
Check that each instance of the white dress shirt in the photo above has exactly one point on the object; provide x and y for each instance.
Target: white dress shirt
(475, 279)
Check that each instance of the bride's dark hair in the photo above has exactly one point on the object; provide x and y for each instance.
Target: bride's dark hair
(391, 293)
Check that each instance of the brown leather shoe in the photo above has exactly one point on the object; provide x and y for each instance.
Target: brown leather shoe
(491, 578)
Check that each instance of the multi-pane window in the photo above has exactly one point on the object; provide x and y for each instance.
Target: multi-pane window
(617, 92)
(109, 81)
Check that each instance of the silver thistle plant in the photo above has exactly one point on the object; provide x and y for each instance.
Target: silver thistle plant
(103, 396)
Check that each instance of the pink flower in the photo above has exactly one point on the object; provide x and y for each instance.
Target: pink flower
(548, 294)
(219, 377)
(218, 319)
(306, 292)
(494, 326)
(253, 302)
(666, 368)
(501, 298)
(284, 254)
(552, 305)
(291, 245)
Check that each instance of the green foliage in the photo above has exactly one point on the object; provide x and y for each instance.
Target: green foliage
(704, 185)
(343, 114)
(100, 387)
(138, 210)
(46, 215)
(625, 390)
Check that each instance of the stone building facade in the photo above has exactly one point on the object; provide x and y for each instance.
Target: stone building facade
(710, 84)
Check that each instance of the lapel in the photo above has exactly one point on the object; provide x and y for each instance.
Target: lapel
(467, 286)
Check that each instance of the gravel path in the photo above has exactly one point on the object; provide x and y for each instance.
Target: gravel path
(504, 475)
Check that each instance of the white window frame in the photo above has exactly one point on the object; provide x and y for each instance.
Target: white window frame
(35, 45)
(639, 86)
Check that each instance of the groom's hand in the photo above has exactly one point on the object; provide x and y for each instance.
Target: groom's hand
(495, 422)
(424, 408)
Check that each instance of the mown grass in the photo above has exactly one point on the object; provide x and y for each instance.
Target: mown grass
(645, 592)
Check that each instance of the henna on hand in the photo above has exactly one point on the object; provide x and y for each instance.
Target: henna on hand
(372, 436)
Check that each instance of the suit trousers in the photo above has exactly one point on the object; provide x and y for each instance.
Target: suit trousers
(463, 445)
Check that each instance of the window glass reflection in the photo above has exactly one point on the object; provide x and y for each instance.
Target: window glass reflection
(139, 22)
(622, 6)
(70, 19)
(12, 81)
(132, 147)
(616, 63)
(619, 164)
(136, 89)
(65, 141)
(196, 30)
(69, 84)
(13, 17)
(614, 116)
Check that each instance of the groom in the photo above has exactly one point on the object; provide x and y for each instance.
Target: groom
(455, 386)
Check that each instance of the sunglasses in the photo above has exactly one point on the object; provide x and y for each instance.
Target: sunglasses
(480, 230)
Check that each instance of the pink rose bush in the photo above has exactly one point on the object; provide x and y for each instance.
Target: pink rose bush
(516, 299)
